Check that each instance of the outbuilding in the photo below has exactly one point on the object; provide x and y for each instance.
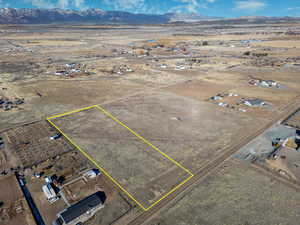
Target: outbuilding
(254, 102)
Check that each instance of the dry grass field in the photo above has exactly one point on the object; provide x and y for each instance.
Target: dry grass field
(53, 43)
(236, 194)
(15, 210)
(280, 44)
(169, 106)
(138, 167)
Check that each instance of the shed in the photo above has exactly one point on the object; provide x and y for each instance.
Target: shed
(254, 102)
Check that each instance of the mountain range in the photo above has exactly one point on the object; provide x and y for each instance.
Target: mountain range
(46, 16)
(99, 16)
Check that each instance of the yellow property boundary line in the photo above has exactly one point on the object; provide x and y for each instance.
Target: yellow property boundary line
(104, 111)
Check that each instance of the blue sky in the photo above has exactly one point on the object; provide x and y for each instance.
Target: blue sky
(222, 8)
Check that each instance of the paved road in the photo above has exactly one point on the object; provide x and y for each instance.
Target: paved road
(35, 211)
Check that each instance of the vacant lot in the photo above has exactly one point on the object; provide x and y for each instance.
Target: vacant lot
(53, 43)
(198, 89)
(280, 44)
(45, 98)
(131, 161)
(235, 195)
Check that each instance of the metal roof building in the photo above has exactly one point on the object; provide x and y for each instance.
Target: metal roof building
(81, 211)
(254, 102)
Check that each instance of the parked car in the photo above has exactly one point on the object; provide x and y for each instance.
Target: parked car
(1, 142)
(55, 136)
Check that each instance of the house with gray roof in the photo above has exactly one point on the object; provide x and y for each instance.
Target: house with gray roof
(81, 211)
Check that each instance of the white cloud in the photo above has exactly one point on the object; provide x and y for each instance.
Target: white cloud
(135, 6)
(125, 4)
(41, 3)
(190, 6)
(149, 9)
(79, 3)
(211, 1)
(293, 8)
(63, 4)
(250, 5)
